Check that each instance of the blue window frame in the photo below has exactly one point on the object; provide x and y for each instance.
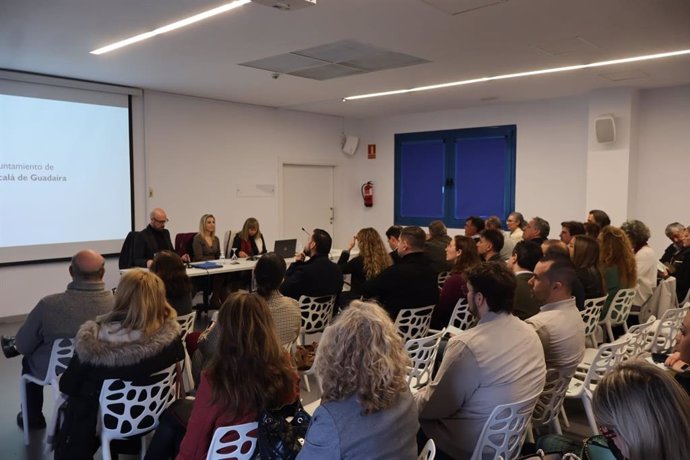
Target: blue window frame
(451, 175)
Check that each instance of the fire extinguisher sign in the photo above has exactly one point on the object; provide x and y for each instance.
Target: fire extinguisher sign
(371, 151)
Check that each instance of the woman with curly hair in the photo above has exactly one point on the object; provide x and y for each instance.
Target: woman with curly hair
(372, 259)
(462, 253)
(643, 413)
(168, 266)
(616, 261)
(366, 408)
(645, 259)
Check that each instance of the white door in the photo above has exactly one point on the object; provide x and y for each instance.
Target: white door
(307, 200)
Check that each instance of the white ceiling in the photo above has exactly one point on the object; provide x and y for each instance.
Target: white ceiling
(55, 36)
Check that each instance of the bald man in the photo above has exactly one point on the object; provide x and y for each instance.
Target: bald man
(154, 238)
(58, 316)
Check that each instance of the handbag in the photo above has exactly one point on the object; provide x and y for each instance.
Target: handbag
(278, 437)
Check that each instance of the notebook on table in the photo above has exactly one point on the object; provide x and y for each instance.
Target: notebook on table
(285, 248)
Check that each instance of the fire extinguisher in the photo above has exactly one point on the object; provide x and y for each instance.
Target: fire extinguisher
(368, 194)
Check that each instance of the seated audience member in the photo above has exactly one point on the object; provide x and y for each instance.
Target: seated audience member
(537, 230)
(436, 244)
(137, 339)
(490, 244)
(569, 229)
(617, 261)
(506, 251)
(642, 413)
(645, 259)
(366, 408)
(680, 358)
(268, 274)
(499, 361)
(474, 225)
(153, 239)
(371, 261)
(599, 217)
(393, 236)
(592, 229)
(249, 241)
(206, 245)
(558, 323)
(411, 283)
(525, 256)
(462, 253)
(554, 247)
(178, 287)
(682, 268)
(54, 317)
(515, 224)
(314, 277)
(674, 232)
(249, 372)
(584, 252)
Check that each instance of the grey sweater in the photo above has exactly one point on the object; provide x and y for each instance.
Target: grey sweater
(59, 316)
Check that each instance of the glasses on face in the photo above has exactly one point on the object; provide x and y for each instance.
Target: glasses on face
(161, 222)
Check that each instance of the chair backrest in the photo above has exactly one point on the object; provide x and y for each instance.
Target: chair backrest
(607, 357)
(183, 243)
(227, 242)
(186, 323)
(60, 356)
(620, 306)
(639, 338)
(428, 451)
(549, 403)
(128, 409)
(126, 259)
(461, 317)
(591, 314)
(504, 430)
(316, 312)
(236, 442)
(422, 352)
(442, 277)
(669, 325)
(413, 323)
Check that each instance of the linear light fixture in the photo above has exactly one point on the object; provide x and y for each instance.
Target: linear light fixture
(521, 74)
(172, 26)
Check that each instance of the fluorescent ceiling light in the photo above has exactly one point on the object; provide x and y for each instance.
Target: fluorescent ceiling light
(521, 74)
(172, 26)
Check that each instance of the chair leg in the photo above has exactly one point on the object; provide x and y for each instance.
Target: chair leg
(530, 433)
(566, 422)
(590, 414)
(25, 413)
(556, 425)
(609, 331)
(306, 382)
(105, 449)
(142, 449)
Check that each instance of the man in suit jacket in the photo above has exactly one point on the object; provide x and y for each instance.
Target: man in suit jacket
(154, 238)
(411, 283)
(525, 256)
(316, 276)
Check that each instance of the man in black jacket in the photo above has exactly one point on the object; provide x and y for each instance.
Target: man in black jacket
(317, 276)
(154, 238)
(409, 284)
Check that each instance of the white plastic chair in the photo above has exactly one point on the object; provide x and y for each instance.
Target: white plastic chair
(590, 316)
(60, 356)
(582, 385)
(442, 277)
(618, 311)
(413, 323)
(462, 318)
(317, 312)
(422, 352)
(550, 401)
(428, 451)
(128, 409)
(669, 325)
(504, 430)
(239, 446)
(187, 325)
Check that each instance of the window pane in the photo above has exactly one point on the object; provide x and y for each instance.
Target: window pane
(422, 176)
(480, 177)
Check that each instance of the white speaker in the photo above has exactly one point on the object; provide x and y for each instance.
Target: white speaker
(350, 144)
(605, 128)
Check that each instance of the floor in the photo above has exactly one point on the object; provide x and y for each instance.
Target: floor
(11, 439)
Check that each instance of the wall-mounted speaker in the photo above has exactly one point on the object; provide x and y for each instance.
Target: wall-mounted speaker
(350, 144)
(605, 128)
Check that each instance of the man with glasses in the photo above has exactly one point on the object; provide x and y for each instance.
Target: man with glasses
(154, 238)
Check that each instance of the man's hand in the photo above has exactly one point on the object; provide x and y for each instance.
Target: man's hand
(299, 257)
(185, 258)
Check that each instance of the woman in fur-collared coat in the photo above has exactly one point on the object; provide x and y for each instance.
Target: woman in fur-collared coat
(138, 338)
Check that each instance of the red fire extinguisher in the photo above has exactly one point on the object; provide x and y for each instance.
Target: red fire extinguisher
(368, 194)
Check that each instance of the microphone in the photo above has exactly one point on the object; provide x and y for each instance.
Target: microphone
(308, 234)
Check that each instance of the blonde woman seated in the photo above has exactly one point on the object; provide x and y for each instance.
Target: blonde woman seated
(643, 413)
(137, 339)
(366, 408)
(206, 246)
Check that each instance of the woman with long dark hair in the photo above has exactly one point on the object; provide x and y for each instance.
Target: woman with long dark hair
(168, 266)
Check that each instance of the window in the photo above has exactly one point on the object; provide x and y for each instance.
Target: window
(451, 175)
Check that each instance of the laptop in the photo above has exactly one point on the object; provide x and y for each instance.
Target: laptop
(285, 248)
